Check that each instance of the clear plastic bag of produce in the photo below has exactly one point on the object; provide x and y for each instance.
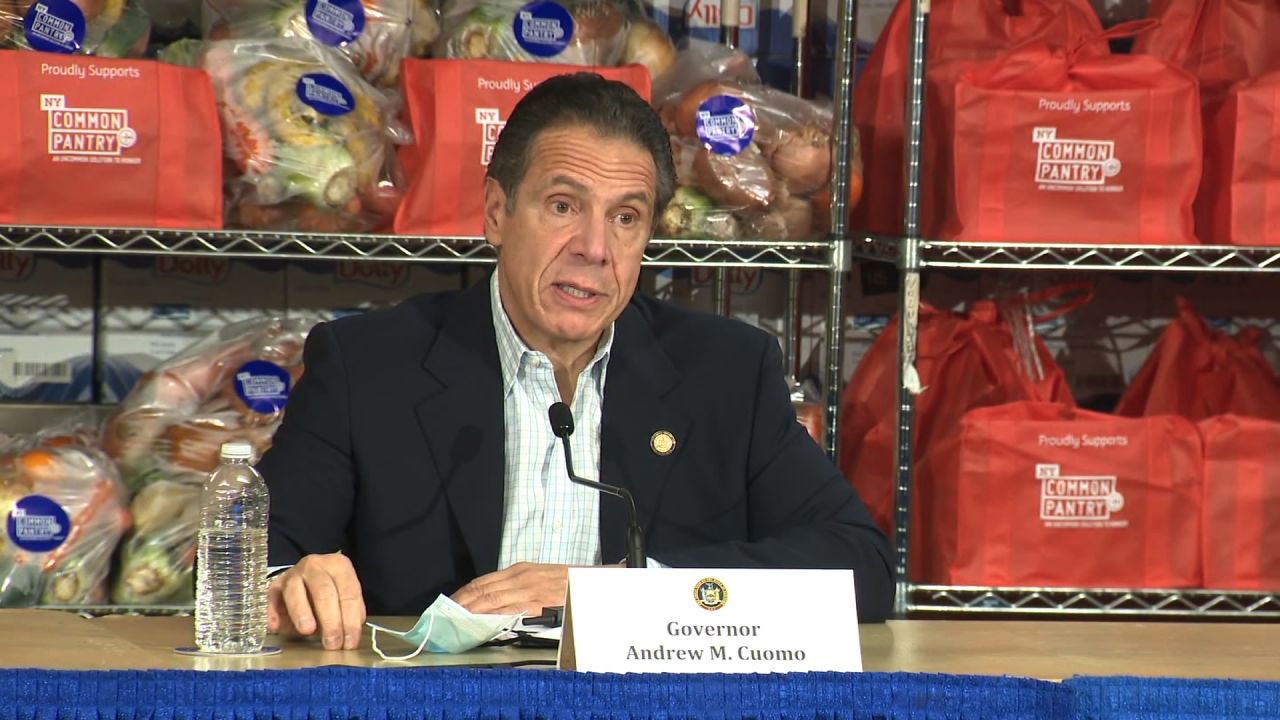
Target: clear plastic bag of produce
(698, 61)
(649, 45)
(65, 510)
(308, 140)
(167, 433)
(570, 32)
(184, 52)
(374, 34)
(106, 28)
(157, 559)
(426, 27)
(751, 161)
(233, 385)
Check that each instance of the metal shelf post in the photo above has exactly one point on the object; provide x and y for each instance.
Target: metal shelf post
(909, 296)
(846, 40)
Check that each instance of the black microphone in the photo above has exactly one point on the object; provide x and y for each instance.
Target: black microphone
(562, 425)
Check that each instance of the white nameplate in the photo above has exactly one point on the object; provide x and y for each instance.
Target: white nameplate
(705, 621)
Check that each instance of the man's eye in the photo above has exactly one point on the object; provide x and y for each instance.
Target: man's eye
(561, 207)
(626, 218)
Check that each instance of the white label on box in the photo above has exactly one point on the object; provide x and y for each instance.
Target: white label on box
(709, 621)
(46, 327)
(44, 359)
(155, 347)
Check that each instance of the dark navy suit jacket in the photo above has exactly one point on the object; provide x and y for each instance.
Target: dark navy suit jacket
(392, 450)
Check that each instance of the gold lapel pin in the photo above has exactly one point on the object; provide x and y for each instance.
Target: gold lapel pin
(662, 443)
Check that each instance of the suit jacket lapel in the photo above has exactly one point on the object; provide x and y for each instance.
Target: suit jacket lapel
(463, 423)
(636, 406)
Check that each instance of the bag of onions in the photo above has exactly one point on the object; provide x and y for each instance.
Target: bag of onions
(569, 32)
(650, 46)
(751, 161)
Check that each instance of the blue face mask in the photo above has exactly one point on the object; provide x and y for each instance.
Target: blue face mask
(447, 627)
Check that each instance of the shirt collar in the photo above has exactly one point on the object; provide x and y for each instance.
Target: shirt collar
(513, 352)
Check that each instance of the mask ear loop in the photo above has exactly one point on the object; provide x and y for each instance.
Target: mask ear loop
(425, 638)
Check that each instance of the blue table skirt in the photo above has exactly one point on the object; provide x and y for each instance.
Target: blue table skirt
(335, 693)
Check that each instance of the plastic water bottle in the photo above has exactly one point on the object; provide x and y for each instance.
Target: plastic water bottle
(231, 559)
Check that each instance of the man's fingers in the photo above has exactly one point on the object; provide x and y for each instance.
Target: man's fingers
(327, 607)
(297, 605)
(520, 575)
(273, 615)
(319, 594)
(352, 607)
(523, 587)
(466, 594)
(489, 602)
(483, 583)
(279, 621)
(526, 609)
(275, 607)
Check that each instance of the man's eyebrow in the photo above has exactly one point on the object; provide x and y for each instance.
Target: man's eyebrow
(635, 196)
(570, 182)
(638, 197)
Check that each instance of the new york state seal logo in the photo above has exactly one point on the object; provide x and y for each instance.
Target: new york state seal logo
(710, 594)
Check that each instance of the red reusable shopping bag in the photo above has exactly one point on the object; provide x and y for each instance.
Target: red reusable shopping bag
(964, 361)
(99, 142)
(1038, 494)
(1052, 147)
(1239, 200)
(1197, 373)
(1241, 517)
(1218, 41)
(960, 33)
(457, 108)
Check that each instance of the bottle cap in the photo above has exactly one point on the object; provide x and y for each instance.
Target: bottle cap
(237, 450)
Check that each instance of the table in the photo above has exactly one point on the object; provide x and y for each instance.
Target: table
(1045, 650)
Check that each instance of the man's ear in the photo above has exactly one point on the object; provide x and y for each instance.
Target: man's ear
(495, 211)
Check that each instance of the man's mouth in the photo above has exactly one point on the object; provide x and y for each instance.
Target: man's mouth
(574, 291)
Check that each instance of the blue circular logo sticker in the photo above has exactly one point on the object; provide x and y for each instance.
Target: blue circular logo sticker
(263, 386)
(725, 124)
(55, 26)
(543, 28)
(37, 524)
(326, 94)
(335, 22)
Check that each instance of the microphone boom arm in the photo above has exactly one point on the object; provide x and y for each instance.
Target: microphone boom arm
(613, 490)
(562, 426)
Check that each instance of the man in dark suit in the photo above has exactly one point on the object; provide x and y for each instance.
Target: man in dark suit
(416, 457)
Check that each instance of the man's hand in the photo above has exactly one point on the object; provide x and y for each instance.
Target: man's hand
(320, 593)
(522, 588)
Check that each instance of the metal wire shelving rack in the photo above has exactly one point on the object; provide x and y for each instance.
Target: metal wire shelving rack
(913, 255)
(830, 255)
(801, 255)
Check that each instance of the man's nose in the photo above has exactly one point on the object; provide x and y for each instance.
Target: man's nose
(591, 243)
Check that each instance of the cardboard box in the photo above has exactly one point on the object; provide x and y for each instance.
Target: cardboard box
(153, 308)
(328, 290)
(756, 296)
(46, 327)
